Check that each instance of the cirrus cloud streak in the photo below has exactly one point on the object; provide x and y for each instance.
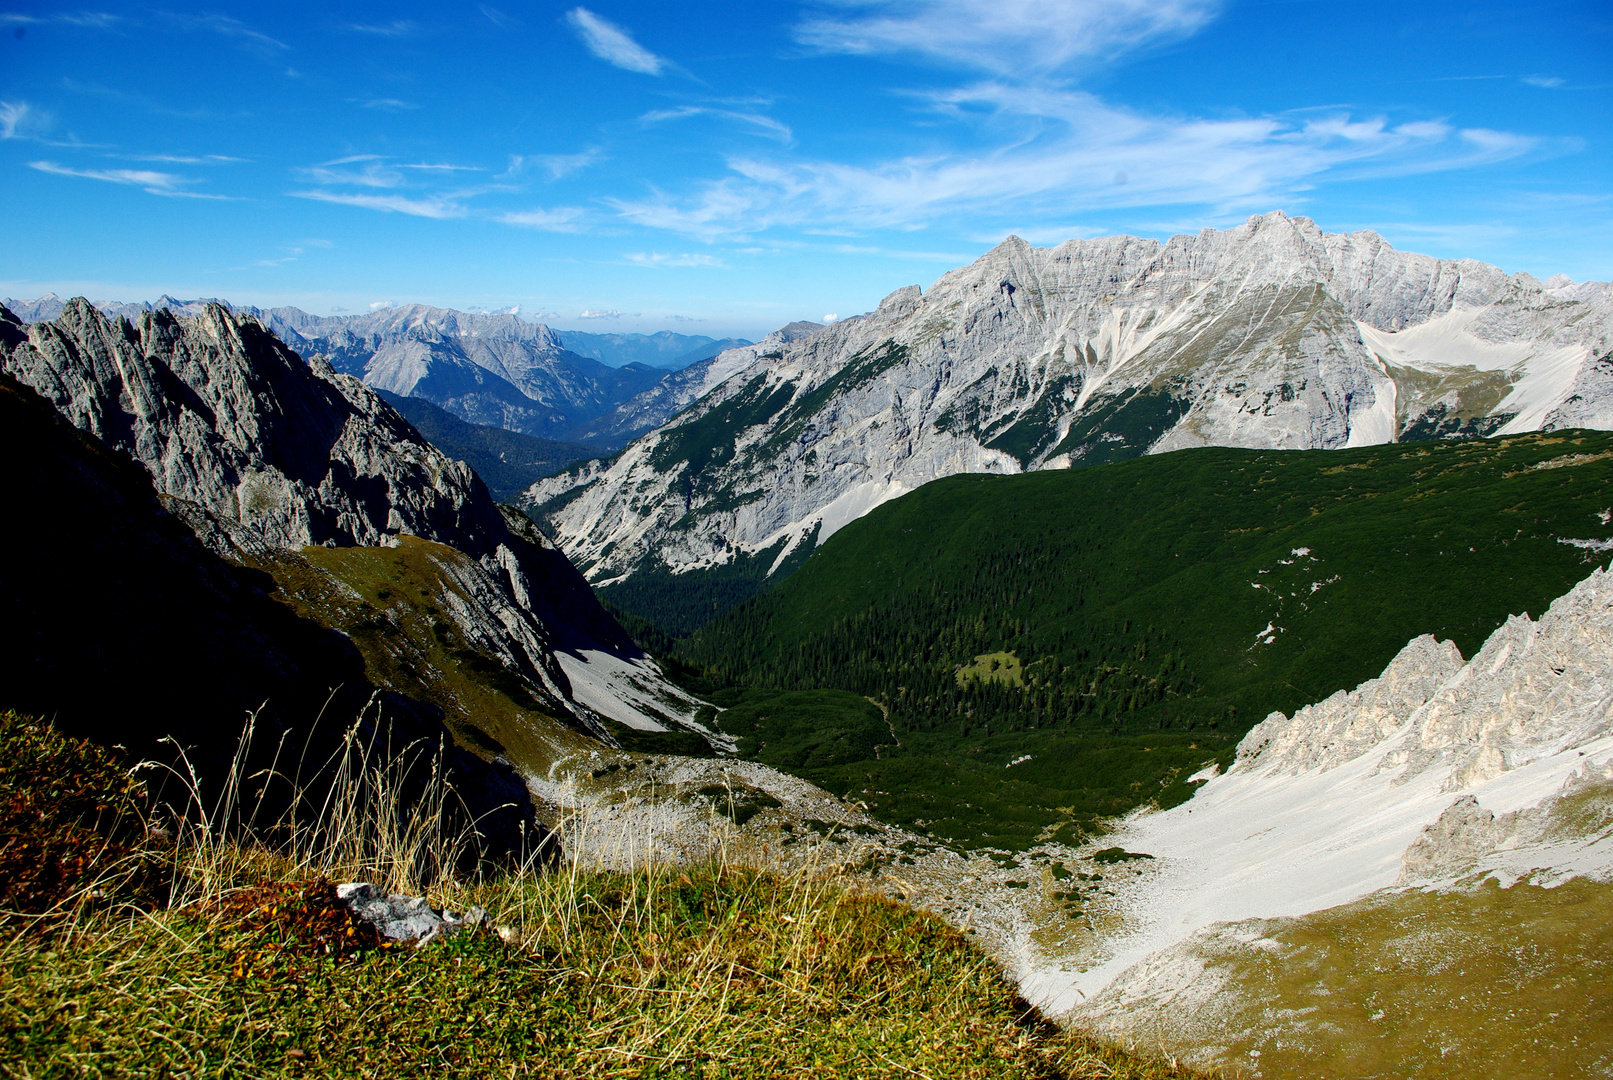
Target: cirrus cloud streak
(1056, 152)
(390, 204)
(1008, 37)
(612, 44)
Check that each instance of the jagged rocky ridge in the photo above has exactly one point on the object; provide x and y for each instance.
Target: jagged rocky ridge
(661, 402)
(1273, 334)
(485, 367)
(261, 452)
(1434, 775)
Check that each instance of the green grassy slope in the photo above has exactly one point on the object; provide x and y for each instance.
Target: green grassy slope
(1154, 610)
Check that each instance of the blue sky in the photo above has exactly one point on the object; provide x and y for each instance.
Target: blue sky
(727, 167)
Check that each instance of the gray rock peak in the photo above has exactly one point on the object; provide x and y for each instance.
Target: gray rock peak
(224, 415)
(901, 302)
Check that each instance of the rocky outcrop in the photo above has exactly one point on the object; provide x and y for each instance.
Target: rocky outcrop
(1273, 334)
(1534, 690)
(1349, 723)
(125, 628)
(223, 414)
(406, 918)
(263, 452)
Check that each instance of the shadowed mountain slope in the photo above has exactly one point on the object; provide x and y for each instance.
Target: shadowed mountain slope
(122, 627)
(271, 460)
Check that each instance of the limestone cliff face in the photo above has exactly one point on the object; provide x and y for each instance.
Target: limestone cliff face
(224, 415)
(1535, 690)
(261, 452)
(1270, 335)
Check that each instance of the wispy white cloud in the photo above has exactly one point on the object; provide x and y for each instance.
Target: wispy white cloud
(600, 313)
(766, 124)
(1548, 82)
(395, 28)
(184, 159)
(227, 26)
(1047, 149)
(375, 173)
(390, 204)
(565, 219)
(191, 112)
(657, 259)
(612, 44)
(556, 165)
(1008, 37)
(98, 20)
(16, 117)
(495, 16)
(390, 104)
(148, 180)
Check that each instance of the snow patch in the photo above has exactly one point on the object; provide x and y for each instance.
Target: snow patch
(1375, 424)
(1445, 342)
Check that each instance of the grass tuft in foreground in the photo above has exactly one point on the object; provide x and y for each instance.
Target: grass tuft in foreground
(699, 971)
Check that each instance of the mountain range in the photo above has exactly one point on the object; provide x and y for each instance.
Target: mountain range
(493, 369)
(1269, 335)
(291, 468)
(1032, 702)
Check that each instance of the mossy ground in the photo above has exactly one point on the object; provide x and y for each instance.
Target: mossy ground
(1481, 981)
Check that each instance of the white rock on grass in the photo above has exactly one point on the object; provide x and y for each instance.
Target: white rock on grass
(405, 918)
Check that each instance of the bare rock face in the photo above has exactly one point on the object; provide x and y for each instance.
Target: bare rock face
(224, 415)
(1349, 723)
(1270, 335)
(1534, 689)
(1463, 832)
(259, 451)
